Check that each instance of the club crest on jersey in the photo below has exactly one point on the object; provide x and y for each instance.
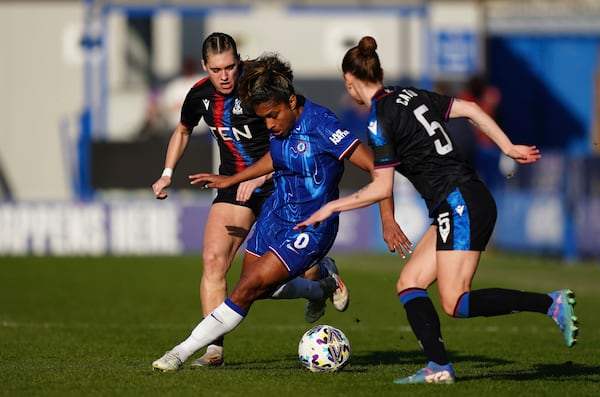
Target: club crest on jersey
(300, 147)
(237, 106)
(338, 135)
(206, 103)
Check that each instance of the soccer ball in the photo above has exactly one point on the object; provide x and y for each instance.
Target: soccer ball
(324, 348)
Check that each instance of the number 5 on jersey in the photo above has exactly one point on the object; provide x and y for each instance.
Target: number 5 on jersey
(433, 127)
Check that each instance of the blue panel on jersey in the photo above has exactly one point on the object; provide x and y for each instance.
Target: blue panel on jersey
(461, 221)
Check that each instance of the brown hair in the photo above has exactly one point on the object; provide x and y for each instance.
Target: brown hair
(362, 61)
(264, 79)
(217, 43)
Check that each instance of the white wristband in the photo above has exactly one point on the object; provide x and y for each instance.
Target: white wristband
(167, 172)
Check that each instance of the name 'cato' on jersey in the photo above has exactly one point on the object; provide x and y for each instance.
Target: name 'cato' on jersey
(405, 95)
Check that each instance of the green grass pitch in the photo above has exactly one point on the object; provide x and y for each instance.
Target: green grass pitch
(93, 326)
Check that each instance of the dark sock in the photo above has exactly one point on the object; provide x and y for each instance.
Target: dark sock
(498, 301)
(425, 323)
(323, 272)
(219, 341)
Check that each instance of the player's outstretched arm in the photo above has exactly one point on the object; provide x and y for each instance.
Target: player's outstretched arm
(393, 235)
(521, 153)
(262, 167)
(208, 181)
(379, 189)
(246, 188)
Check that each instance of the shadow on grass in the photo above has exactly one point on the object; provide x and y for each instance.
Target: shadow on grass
(486, 367)
(361, 362)
(550, 372)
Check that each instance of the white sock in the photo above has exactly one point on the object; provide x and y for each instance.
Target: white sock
(222, 320)
(299, 288)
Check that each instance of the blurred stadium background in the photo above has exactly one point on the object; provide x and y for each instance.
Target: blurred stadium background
(85, 115)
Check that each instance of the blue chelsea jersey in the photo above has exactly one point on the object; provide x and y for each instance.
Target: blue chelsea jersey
(309, 164)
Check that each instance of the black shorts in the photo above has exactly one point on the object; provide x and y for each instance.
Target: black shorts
(466, 218)
(255, 203)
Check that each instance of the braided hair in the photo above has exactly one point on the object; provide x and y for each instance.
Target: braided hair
(218, 43)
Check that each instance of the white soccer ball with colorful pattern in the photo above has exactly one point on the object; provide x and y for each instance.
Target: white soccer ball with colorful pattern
(324, 348)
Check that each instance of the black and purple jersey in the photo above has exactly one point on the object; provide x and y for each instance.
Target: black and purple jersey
(407, 131)
(243, 137)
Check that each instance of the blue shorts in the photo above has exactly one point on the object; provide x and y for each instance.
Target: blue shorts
(466, 218)
(298, 250)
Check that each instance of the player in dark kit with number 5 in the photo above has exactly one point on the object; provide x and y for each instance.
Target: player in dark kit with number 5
(407, 134)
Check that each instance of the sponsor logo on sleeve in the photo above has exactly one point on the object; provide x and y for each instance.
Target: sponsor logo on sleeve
(338, 135)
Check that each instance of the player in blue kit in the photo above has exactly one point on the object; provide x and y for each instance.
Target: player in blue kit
(307, 149)
(408, 135)
(242, 138)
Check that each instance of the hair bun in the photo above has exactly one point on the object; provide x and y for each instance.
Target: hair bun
(367, 45)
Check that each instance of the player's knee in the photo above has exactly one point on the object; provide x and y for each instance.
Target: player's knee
(214, 262)
(448, 305)
(456, 305)
(405, 282)
(448, 309)
(209, 257)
